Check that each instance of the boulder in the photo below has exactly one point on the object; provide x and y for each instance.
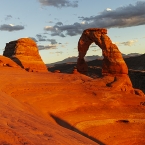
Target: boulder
(25, 53)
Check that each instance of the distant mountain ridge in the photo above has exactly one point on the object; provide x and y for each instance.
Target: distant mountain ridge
(89, 58)
(74, 59)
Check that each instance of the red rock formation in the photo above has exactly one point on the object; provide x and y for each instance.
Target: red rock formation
(114, 68)
(24, 52)
(113, 62)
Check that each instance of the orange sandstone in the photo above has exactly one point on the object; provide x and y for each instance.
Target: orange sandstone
(7, 62)
(25, 53)
(113, 62)
(114, 67)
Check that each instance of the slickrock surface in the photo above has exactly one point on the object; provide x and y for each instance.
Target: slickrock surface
(25, 53)
(34, 104)
(7, 62)
(23, 124)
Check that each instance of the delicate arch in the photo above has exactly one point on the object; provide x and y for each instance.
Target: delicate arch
(113, 62)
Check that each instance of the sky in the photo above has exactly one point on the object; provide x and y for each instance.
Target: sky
(56, 25)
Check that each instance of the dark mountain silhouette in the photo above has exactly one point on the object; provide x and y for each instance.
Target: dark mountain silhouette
(89, 58)
(74, 59)
(136, 66)
(136, 63)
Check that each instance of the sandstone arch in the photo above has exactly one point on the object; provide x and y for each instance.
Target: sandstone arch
(113, 63)
(114, 68)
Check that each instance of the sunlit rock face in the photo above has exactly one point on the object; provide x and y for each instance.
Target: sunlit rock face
(7, 62)
(113, 62)
(25, 53)
(114, 68)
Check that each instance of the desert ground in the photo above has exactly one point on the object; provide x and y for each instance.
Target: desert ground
(57, 108)
(26, 121)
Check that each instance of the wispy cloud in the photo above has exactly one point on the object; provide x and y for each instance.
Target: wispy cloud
(125, 16)
(126, 43)
(41, 37)
(11, 27)
(8, 17)
(44, 38)
(53, 41)
(59, 52)
(47, 47)
(59, 3)
(129, 43)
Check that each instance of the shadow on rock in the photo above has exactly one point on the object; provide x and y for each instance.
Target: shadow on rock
(65, 124)
(16, 60)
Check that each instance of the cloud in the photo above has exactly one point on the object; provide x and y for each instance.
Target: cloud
(53, 41)
(129, 43)
(108, 9)
(59, 23)
(11, 27)
(70, 30)
(59, 3)
(41, 37)
(127, 16)
(131, 15)
(41, 47)
(44, 38)
(47, 47)
(8, 17)
(59, 52)
(126, 43)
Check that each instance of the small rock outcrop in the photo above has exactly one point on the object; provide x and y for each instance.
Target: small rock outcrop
(114, 68)
(7, 62)
(57, 71)
(25, 53)
(75, 71)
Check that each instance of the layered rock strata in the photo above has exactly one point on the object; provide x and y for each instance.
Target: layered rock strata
(25, 53)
